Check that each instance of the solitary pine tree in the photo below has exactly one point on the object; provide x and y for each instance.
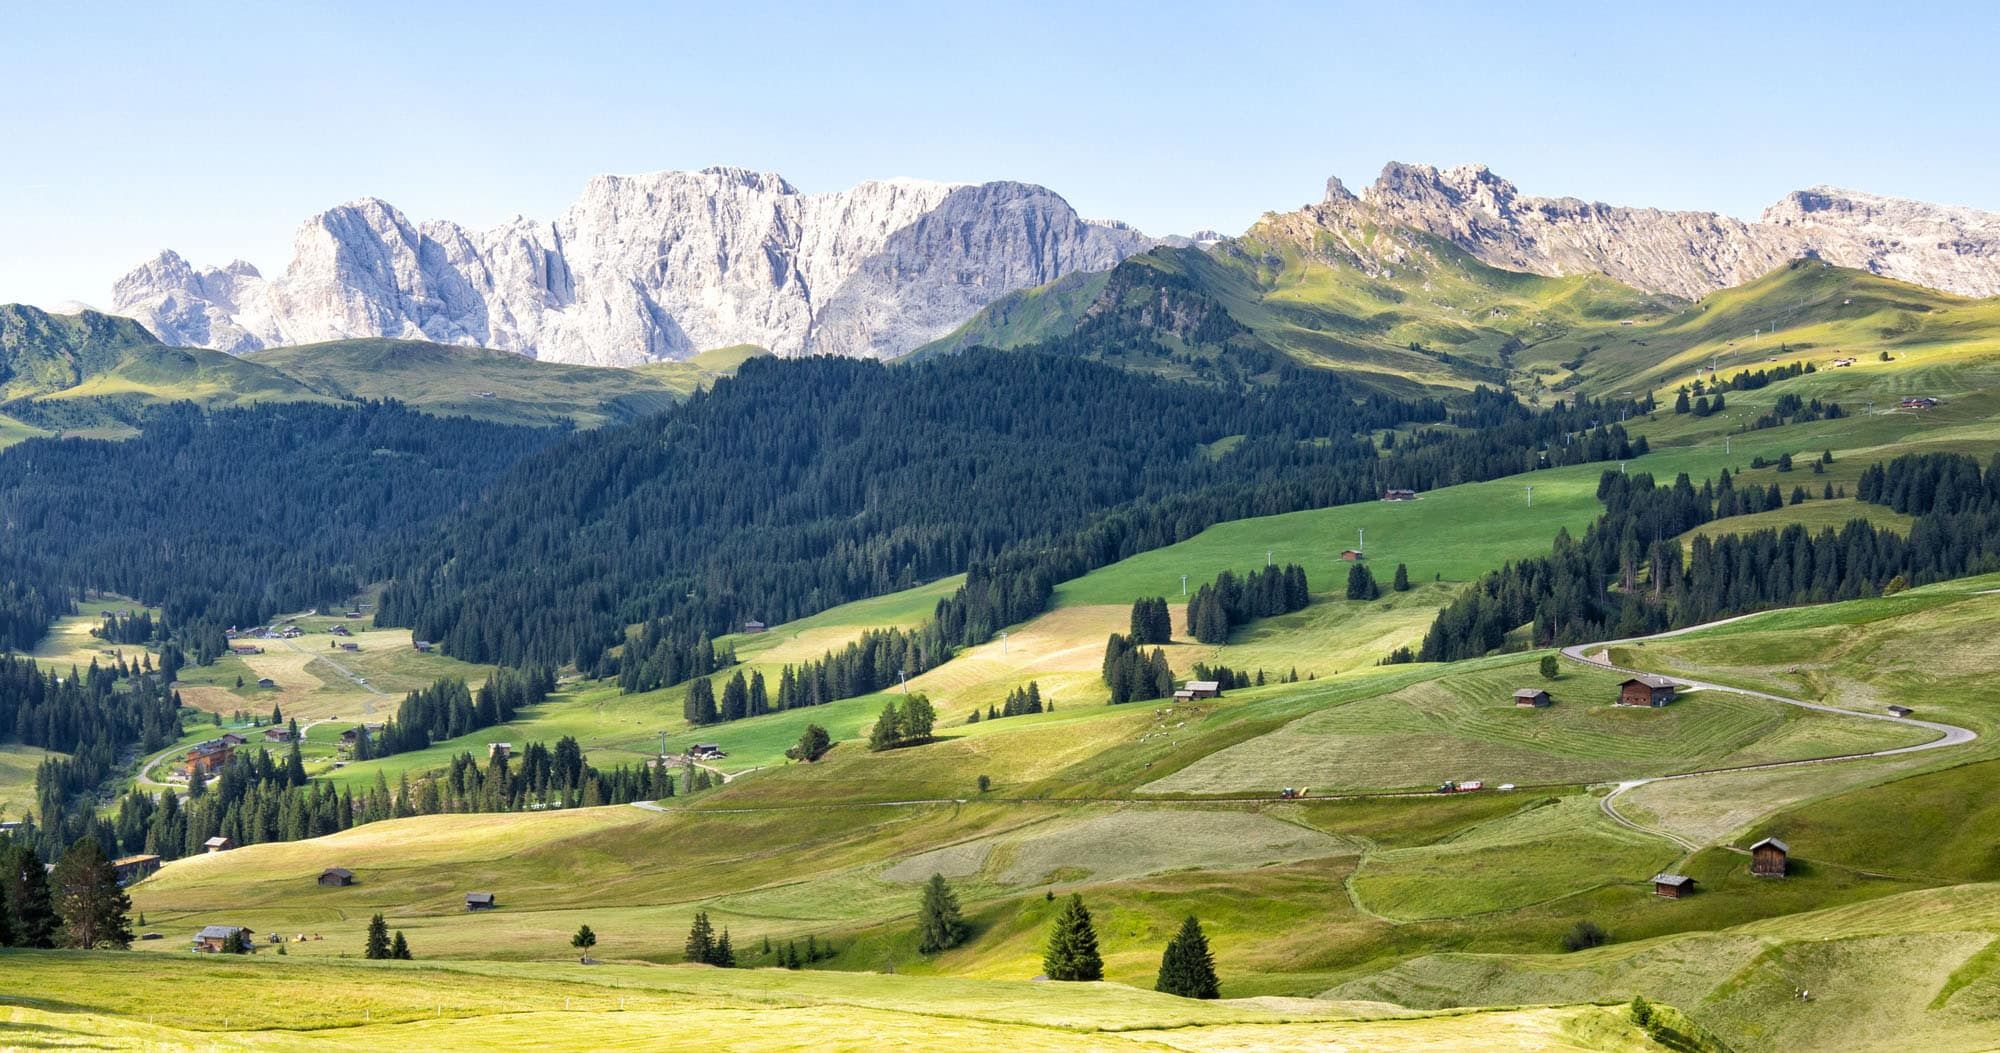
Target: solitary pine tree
(377, 946)
(399, 948)
(939, 926)
(1402, 582)
(584, 939)
(1072, 950)
(1187, 968)
(725, 952)
(701, 941)
(813, 743)
(88, 900)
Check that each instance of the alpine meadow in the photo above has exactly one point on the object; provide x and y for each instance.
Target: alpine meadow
(906, 614)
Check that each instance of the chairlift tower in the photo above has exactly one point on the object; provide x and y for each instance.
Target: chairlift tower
(1531, 497)
(1183, 585)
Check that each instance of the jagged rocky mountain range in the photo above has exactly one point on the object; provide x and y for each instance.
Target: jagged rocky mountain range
(643, 268)
(1687, 254)
(665, 265)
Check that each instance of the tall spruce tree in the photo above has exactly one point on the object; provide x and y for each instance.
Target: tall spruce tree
(1402, 580)
(1187, 968)
(399, 948)
(700, 948)
(88, 900)
(1072, 948)
(699, 706)
(939, 926)
(377, 945)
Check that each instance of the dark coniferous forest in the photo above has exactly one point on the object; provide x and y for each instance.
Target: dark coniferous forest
(1627, 577)
(800, 485)
(226, 518)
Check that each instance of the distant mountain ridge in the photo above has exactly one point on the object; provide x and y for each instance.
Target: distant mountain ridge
(646, 268)
(1687, 254)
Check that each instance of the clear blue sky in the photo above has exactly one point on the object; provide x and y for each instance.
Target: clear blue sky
(215, 128)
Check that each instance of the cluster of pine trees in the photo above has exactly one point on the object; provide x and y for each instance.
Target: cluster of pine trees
(705, 947)
(908, 724)
(1791, 409)
(449, 708)
(1228, 601)
(1132, 674)
(1627, 577)
(256, 799)
(660, 657)
(125, 629)
(1152, 623)
(78, 904)
(1187, 967)
(379, 947)
(103, 706)
(1020, 701)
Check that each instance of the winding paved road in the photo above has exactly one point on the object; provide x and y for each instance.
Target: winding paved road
(1948, 734)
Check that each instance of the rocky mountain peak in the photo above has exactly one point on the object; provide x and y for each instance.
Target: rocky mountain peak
(1686, 253)
(649, 266)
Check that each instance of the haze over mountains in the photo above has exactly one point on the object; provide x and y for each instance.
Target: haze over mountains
(666, 265)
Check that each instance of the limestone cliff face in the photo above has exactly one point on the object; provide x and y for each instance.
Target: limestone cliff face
(647, 267)
(1684, 253)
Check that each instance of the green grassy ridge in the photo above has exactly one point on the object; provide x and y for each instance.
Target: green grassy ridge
(1820, 312)
(92, 373)
(89, 372)
(470, 381)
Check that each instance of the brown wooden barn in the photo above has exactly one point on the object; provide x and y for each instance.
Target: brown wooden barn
(219, 844)
(1532, 696)
(1770, 858)
(1648, 691)
(1672, 886)
(336, 877)
(1350, 554)
(479, 901)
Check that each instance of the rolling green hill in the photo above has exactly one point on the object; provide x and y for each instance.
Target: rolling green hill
(471, 381)
(1404, 308)
(1412, 311)
(90, 370)
(93, 373)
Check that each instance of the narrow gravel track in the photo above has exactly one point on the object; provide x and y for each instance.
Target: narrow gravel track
(1589, 654)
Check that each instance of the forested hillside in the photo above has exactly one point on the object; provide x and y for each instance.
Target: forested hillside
(797, 486)
(226, 517)
(1627, 576)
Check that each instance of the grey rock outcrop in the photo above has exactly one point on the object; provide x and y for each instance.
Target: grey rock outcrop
(647, 267)
(1687, 254)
